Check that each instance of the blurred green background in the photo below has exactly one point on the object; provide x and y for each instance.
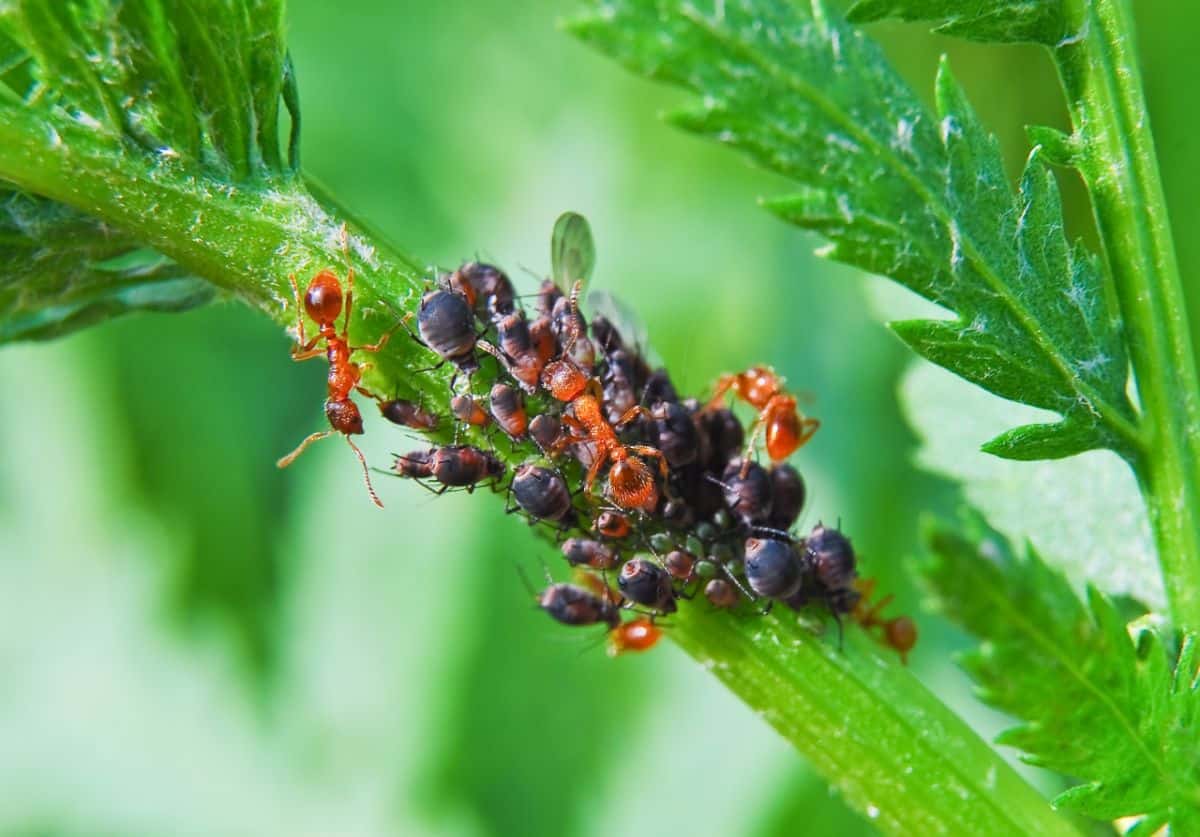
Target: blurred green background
(192, 642)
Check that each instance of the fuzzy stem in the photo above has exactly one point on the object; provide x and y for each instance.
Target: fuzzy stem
(885, 741)
(1099, 70)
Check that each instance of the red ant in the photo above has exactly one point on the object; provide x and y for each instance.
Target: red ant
(786, 428)
(898, 633)
(323, 304)
(640, 634)
(630, 481)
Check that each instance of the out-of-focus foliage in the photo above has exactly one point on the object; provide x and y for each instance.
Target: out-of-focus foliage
(1118, 716)
(60, 270)
(336, 667)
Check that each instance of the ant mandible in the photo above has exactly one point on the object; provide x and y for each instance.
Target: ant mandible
(762, 388)
(323, 302)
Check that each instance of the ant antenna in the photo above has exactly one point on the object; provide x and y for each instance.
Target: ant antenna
(291, 457)
(574, 330)
(366, 472)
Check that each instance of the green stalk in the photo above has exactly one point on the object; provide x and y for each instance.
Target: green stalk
(1099, 71)
(897, 753)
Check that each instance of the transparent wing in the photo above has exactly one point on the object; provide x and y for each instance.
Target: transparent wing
(633, 331)
(572, 251)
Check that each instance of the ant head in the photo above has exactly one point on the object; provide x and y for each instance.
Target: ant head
(759, 384)
(344, 416)
(564, 380)
(323, 298)
(631, 483)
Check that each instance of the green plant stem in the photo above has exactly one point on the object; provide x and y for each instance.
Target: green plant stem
(907, 762)
(873, 731)
(1099, 70)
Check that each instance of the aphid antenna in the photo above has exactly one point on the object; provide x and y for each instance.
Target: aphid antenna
(770, 530)
(525, 582)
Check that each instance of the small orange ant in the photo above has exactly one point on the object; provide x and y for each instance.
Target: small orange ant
(898, 633)
(631, 481)
(323, 302)
(786, 428)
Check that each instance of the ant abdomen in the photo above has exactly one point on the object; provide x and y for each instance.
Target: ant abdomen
(344, 416)
(323, 298)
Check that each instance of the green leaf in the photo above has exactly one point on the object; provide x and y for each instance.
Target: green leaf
(189, 93)
(159, 74)
(1006, 21)
(61, 270)
(918, 196)
(1095, 704)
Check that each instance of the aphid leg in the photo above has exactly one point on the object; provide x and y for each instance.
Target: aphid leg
(366, 472)
(291, 457)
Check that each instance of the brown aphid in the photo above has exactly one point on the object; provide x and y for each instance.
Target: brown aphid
(508, 409)
(680, 564)
(446, 324)
(646, 583)
(832, 560)
(747, 488)
(469, 411)
(454, 466)
(613, 525)
(487, 288)
(721, 593)
(572, 605)
(545, 430)
(323, 302)
(541, 493)
(787, 496)
(675, 433)
(517, 352)
(760, 387)
(589, 553)
(408, 414)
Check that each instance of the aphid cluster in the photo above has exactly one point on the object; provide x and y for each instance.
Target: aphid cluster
(653, 497)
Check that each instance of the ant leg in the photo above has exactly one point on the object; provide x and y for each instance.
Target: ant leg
(653, 453)
(724, 384)
(634, 412)
(291, 457)
(303, 350)
(807, 428)
(366, 472)
(755, 430)
(594, 471)
(379, 344)
(345, 234)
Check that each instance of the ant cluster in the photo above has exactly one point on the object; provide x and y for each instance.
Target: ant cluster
(653, 497)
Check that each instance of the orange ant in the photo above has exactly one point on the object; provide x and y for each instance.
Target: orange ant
(786, 428)
(630, 480)
(898, 633)
(323, 302)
